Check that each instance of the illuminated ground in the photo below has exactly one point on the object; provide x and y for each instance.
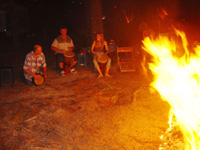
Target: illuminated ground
(80, 112)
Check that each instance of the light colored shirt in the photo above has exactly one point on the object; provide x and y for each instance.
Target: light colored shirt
(33, 65)
(62, 44)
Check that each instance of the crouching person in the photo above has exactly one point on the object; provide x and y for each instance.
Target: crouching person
(34, 65)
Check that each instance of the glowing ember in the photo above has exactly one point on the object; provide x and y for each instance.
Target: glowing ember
(177, 79)
(128, 16)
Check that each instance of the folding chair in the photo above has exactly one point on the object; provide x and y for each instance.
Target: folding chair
(125, 58)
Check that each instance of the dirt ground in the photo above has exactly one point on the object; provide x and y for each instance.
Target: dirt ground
(81, 112)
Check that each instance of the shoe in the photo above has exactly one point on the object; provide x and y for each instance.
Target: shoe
(62, 73)
(73, 70)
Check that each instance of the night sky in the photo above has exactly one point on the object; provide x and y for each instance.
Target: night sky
(46, 16)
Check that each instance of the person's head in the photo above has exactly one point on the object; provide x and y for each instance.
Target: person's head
(63, 30)
(100, 37)
(112, 41)
(37, 49)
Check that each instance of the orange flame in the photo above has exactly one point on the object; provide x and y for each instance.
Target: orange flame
(129, 17)
(177, 79)
(162, 13)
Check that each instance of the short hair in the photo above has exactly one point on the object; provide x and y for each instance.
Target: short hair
(35, 47)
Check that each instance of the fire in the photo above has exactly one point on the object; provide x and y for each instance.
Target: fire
(177, 79)
(162, 13)
(128, 16)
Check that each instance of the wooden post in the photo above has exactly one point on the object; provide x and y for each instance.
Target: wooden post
(96, 18)
(14, 24)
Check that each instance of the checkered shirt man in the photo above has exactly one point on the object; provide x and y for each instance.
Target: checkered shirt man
(33, 65)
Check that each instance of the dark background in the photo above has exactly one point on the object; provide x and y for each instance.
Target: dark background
(39, 20)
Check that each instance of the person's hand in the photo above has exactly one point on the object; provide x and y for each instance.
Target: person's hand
(70, 48)
(63, 51)
(99, 55)
(37, 77)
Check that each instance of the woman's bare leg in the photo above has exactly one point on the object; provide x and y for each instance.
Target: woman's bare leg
(107, 72)
(100, 73)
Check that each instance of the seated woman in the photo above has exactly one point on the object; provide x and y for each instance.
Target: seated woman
(97, 49)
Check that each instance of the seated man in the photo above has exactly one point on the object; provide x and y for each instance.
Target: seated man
(62, 44)
(34, 62)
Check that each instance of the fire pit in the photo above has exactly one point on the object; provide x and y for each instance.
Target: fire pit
(177, 81)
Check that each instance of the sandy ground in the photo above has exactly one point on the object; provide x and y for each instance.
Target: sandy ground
(81, 112)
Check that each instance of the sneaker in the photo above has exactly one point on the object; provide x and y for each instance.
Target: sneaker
(62, 73)
(73, 70)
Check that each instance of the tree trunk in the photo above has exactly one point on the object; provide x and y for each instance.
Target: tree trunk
(96, 18)
(14, 24)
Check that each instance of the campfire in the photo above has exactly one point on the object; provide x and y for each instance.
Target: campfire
(177, 79)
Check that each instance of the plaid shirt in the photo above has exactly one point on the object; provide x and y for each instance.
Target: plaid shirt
(33, 65)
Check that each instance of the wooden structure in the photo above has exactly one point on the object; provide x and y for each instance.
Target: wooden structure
(125, 58)
(96, 18)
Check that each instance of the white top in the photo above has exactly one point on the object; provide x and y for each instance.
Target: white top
(62, 44)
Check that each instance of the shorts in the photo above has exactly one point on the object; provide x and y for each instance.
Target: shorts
(60, 58)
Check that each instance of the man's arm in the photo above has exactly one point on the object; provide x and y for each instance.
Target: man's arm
(57, 50)
(71, 46)
(32, 74)
(54, 45)
(26, 66)
(44, 65)
(44, 71)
